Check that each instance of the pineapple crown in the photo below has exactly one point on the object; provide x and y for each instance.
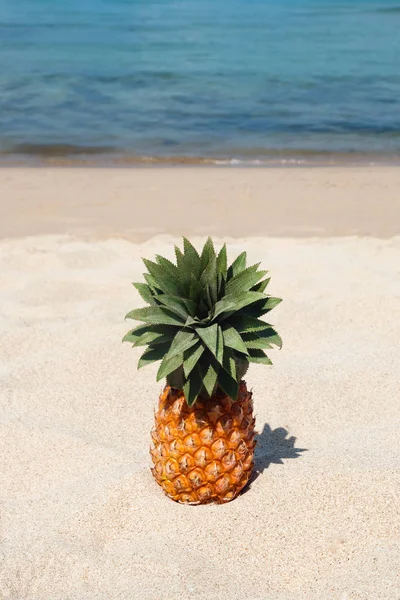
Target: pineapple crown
(203, 320)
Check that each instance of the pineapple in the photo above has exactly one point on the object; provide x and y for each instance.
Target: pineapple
(203, 323)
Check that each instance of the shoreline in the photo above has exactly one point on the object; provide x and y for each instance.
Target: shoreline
(80, 163)
(143, 202)
(71, 156)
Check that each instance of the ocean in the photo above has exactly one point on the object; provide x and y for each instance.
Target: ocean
(200, 80)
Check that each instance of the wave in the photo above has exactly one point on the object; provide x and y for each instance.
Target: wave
(70, 155)
(389, 10)
(55, 150)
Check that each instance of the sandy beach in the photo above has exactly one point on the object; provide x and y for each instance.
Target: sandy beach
(81, 517)
(141, 203)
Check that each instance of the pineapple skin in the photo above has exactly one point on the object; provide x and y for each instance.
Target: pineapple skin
(204, 453)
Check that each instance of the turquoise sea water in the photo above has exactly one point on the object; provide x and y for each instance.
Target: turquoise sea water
(241, 79)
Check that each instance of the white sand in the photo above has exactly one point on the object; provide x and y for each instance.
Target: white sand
(140, 203)
(82, 519)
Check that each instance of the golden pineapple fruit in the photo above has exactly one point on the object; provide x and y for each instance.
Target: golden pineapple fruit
(203, 453)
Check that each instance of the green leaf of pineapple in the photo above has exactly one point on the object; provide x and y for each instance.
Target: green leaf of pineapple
(203, 309)
(168, 365)
(213, 338)
(260, 287)
(145, 292)
(191, 307)
(152, 336)
(176, 379)
(263, 307)
(258, 356)
(181, 306)
(243, 281)
(221, 285)
(253, 341)
(232, 339)
(238, 265)
(162, 278)
(191, 259)
(182, 341)
(222, 268)
(229, 363)
(207, 253)
(196, 289)
(190, 249)
(210, 377)
(151, 282)
(180, 260)
(267, 338)
(193, 386)
(242, 364)
(152, 354)
(271, 302)
(233, 303)
(190, 321)
(244, 323)
(208, 280)
(191, 358)
(271, 336)
(168, 266)
(222, 262)
(134, 334)
(228, 384)
(157, 315)
(207, 297)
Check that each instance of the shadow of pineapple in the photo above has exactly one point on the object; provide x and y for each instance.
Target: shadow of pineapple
(272, 446)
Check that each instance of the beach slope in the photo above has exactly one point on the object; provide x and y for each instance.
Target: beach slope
(139, 203)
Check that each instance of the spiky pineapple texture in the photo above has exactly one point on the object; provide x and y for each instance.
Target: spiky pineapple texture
(203, 320)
